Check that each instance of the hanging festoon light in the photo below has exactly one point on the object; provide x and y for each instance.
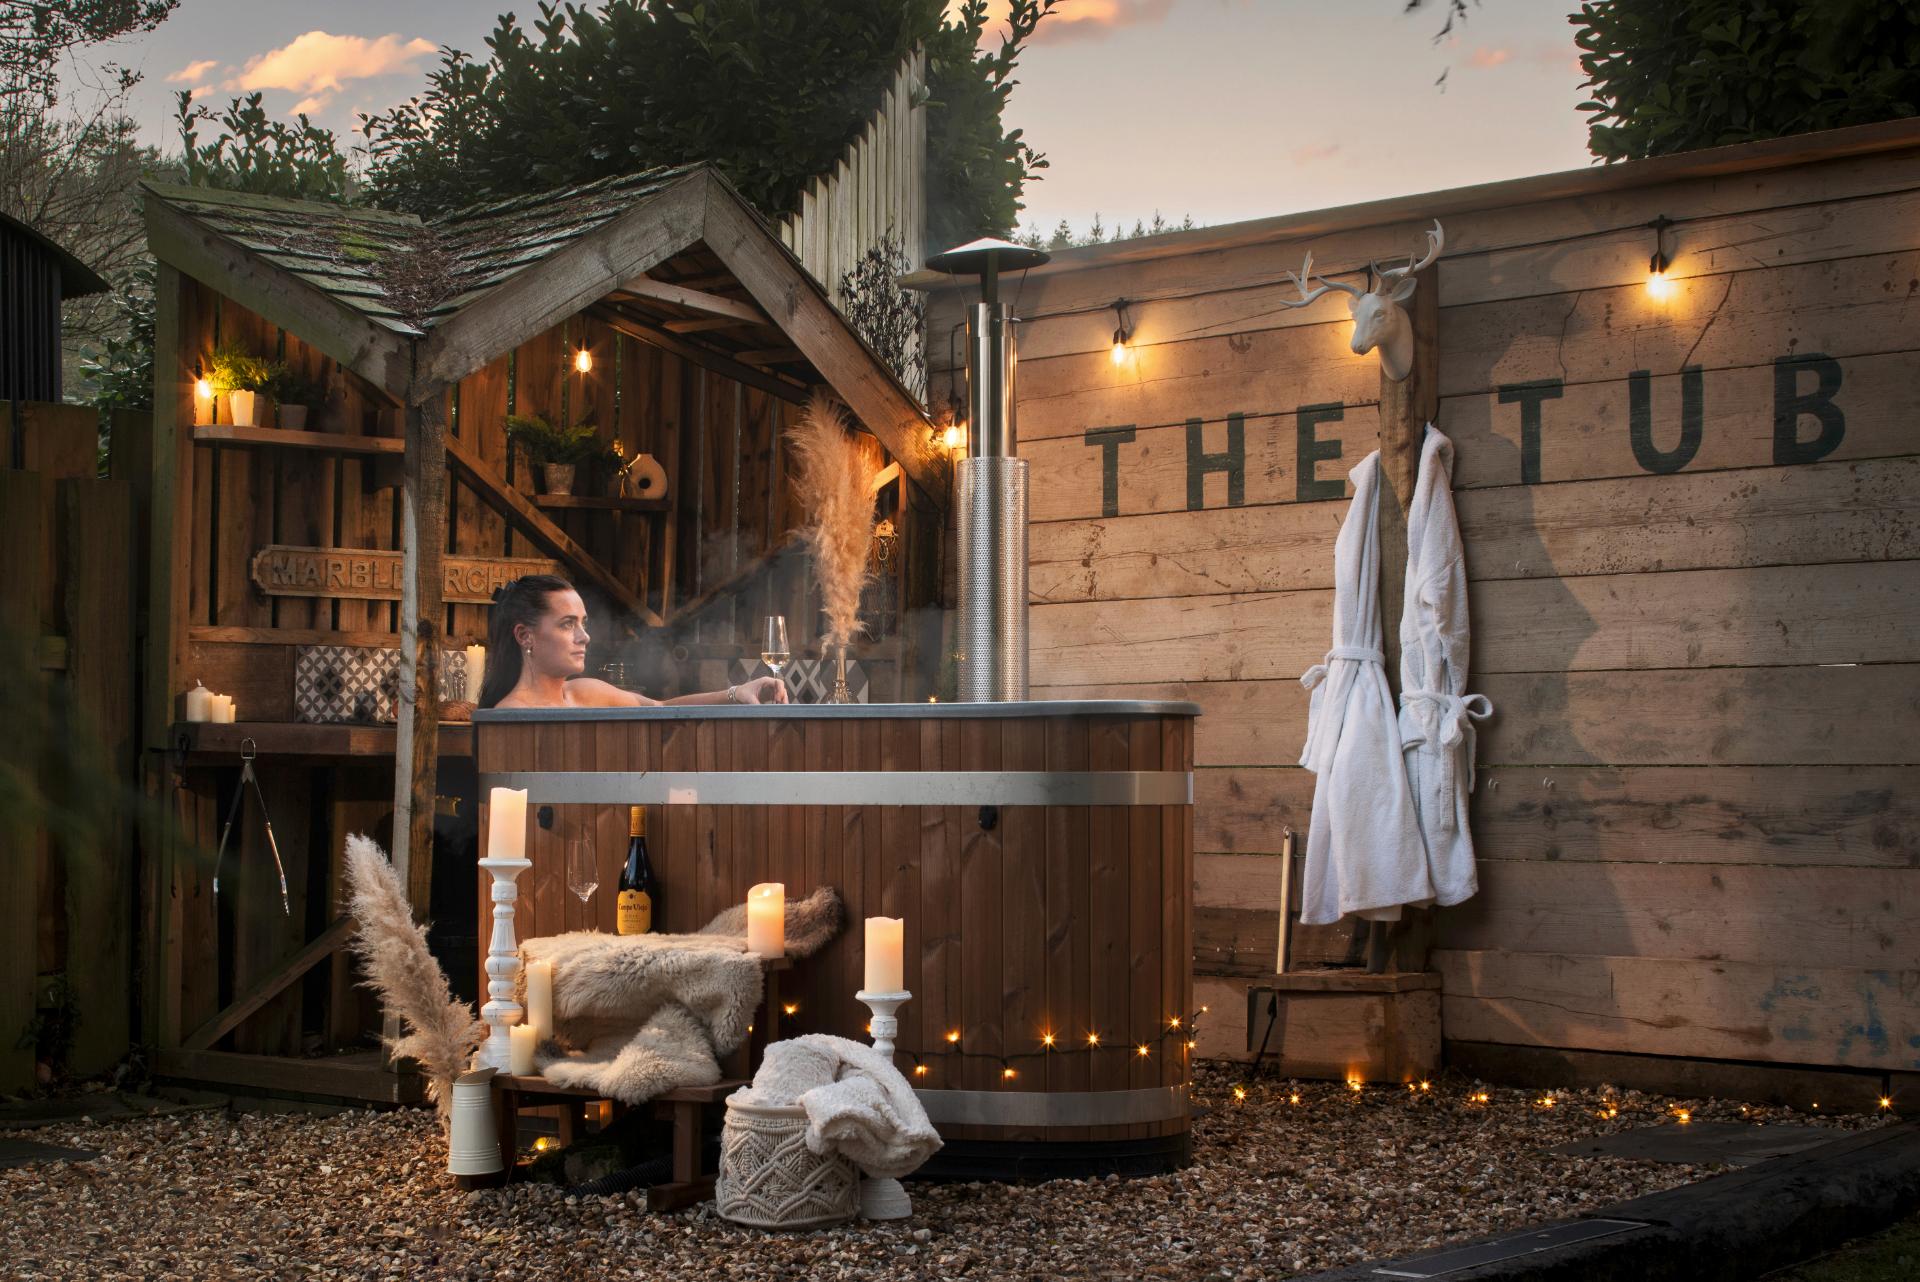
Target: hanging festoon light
(583, 361)
(1122, 332)
(1658, 283)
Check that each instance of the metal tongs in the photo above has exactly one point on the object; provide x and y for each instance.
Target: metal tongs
(247, 776)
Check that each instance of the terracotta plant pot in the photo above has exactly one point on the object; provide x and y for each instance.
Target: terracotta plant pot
(244, 407)
(559, 477)
(293, 417)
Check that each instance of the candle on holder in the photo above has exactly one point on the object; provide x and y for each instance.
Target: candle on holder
(540, 998)
(476, 671)
(507, 823)
(520, 1057)
(767, 920)
(886, 939)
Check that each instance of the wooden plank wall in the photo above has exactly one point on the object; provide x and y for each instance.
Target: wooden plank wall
(67, 614)
(1691, 539)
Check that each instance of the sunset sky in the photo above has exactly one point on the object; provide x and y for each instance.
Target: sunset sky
(1221, 109)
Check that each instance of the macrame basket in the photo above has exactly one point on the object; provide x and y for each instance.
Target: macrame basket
(770, 1180)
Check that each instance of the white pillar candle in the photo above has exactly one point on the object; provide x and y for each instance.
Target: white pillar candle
(507, 823)
(886, 946)
(767, 920)
(540, 997)
(476, 671)
(221, 708)
(520, 1051)
(199, 703)
(202, 402)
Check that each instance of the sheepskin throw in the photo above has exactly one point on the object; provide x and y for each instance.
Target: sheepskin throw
(638, 1015)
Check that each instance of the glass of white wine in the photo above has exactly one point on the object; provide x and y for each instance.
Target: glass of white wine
(583, 875)
(773, 648)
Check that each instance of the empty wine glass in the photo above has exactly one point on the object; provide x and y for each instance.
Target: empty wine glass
(583, 874)
(773, 649)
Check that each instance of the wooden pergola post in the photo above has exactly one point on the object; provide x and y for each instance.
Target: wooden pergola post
(423, 541)
(1406, 407)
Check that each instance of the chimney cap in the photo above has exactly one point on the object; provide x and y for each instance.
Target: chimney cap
(979, 257)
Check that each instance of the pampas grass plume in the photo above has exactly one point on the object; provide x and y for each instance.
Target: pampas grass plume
(833, 482)
(441, 1033)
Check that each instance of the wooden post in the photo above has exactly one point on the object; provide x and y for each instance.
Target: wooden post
(1406, 407)
(423, 541)
(20, 593)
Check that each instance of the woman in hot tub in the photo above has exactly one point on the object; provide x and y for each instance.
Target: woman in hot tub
(537, 649)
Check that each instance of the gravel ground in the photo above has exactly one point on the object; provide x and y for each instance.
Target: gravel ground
(1294, 1177)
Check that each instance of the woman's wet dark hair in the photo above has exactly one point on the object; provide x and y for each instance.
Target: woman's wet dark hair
(522, 601)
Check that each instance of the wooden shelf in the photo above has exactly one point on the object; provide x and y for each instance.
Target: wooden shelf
(294, 740)
(583, 502)
(325, 442)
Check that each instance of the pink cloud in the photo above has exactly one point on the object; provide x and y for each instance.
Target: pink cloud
(318, 63)
(1316, 152)
(1082, 19)
(193, 71)
(1485, 57)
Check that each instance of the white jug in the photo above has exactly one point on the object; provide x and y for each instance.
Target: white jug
(473, 1147)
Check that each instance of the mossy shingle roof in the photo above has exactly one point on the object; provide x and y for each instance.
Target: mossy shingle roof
(399, 270)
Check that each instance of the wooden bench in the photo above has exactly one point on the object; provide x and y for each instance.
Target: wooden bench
(685, 1108)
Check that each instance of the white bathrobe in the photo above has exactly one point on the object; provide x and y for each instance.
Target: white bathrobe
(1436, 713)
(1364, 852)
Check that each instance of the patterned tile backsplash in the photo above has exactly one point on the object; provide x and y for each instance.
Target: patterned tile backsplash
(360, 683)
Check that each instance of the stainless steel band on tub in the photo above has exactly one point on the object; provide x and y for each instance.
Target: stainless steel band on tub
(848, 787)
(1054, 1108)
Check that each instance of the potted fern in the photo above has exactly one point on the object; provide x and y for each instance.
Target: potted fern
(242, 376)
(557, 451)
(294, 396)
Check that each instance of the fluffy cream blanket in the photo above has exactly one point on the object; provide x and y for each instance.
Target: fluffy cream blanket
(856, 1101)
(638, 1015)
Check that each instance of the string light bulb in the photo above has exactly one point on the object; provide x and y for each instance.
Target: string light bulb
(1478, 1097)
(793, 1008)
(953, 1037)
(1239, 1092)
(1294, 1098)
(1353, 1084)
(1659, 287)
(1006, 1073)
(1093, 1039)
(1426, 1086)
(1046, 1040)
(583, 361)
(1141, 1049)
(919, 1070)
(1122, 333)
(1886, 1102)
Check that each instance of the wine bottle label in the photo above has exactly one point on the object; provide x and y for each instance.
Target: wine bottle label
(634, 915)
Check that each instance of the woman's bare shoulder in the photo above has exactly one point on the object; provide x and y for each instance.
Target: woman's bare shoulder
(592, 692)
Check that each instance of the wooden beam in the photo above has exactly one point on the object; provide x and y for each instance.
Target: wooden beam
(693, 300)
(540, 297)
(515, 507)
(702, 324)
(269, 986)
(365, 1078)
(771, 356)
(705, 357)
(423, 542)
(800, 309)
(884, 477)
(380, 355)
(1406, 407)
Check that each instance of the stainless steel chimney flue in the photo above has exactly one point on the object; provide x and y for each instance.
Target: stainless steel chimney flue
(990, 486)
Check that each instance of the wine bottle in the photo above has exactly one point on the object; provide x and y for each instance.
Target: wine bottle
(639, 888)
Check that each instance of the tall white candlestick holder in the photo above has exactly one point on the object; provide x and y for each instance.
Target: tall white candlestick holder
(503, 965)
(882, 1197)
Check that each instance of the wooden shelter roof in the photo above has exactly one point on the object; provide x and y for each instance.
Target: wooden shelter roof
(672, 256)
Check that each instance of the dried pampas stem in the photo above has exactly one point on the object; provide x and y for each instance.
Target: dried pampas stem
(834, 484)
(441, 1032)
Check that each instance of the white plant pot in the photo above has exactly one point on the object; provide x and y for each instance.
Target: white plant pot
(559, 477)
(473, 1144)
(244, 408)
(293, 417)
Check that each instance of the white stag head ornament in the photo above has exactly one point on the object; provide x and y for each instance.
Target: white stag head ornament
(1378, 319)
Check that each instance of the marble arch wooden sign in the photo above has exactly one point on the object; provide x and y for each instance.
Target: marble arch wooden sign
(372, 574)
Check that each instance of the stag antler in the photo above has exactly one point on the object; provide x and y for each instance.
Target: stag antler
(1306, 295)
(1436, 241)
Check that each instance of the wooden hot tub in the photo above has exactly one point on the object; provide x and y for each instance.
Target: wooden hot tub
(1041, 854)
